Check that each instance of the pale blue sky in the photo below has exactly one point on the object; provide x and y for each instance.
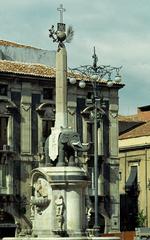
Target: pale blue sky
(119, 29)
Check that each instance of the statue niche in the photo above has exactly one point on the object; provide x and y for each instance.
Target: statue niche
(40, 199)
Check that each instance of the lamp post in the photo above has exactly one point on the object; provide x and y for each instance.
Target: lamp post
(96, 73)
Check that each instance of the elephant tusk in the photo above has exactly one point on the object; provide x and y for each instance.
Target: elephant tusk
(81, 147)
(85, 144)
(76, 143)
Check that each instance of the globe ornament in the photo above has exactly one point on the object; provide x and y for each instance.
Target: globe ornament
(82, 84)
(61, 36)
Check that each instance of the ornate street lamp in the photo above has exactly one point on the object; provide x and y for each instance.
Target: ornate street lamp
(94, 74)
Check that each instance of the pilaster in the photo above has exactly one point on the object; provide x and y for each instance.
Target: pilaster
(71, 107)
(40, 137)
(10, 132)
(113, 165)
(26, 118)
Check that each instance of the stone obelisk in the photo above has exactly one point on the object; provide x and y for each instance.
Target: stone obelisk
(61, 88)
(61, 74)
(61, 85)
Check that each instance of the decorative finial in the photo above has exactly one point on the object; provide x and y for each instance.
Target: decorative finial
(61, 10)
(60, 35)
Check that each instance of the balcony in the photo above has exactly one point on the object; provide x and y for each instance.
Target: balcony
(6, 148)
(6, 153)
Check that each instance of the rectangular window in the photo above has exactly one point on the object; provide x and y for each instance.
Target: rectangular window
(3, 89)
(48, 93)
(80, 107)
(3, 131)
(90, 137)
(131, 184)
(3, 176)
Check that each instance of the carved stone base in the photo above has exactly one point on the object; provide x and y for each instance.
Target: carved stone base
(63, 189)
(65, 238)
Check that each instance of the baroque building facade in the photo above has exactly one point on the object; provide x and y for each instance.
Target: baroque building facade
(134, 184)
(27, 113)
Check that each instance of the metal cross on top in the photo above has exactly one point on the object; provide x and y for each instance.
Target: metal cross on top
(61, 10)
(95, 60)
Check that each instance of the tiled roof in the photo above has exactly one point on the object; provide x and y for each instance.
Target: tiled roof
(31, 69)
(35, 70)
(24, 68)
(13, 44)
(130, 118)
(140, 131)
(140, 116)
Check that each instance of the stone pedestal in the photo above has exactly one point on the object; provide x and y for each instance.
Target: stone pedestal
(64, 238)
(58, 201)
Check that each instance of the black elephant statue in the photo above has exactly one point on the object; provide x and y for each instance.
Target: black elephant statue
(68, 143)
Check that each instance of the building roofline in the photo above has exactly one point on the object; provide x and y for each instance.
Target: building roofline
(132, 148)
(42, 71)
(14, 44)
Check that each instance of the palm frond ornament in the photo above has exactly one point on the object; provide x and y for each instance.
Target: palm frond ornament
(70, 33)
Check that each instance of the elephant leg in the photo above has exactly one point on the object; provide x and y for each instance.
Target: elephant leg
(61, 156)
(71, 159)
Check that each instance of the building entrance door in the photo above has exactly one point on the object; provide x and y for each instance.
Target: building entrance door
(128, 212)
(7, 225)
